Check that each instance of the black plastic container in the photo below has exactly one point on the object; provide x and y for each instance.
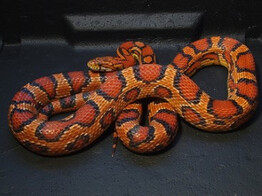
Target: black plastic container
(38, 38)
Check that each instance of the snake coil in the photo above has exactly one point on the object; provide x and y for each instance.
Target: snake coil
(99, 98)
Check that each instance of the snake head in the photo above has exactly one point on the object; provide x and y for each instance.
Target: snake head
(105, 64)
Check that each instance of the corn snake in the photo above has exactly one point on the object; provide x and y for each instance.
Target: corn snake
(113, 92)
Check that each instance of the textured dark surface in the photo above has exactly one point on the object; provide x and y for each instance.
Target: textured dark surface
(39, 39)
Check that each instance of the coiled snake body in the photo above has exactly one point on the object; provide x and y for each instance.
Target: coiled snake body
(113, 92)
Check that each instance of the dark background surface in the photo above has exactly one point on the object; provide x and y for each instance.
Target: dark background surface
(38, 38)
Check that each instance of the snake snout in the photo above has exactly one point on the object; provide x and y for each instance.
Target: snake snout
(93, 65)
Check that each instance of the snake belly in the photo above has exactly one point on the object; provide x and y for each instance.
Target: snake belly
(121, 88)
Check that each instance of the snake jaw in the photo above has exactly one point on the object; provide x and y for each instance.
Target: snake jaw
(105, 69)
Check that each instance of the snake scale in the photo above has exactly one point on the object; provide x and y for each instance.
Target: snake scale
(99, 98)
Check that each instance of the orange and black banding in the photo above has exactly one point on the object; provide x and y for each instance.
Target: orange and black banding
(209, 58)
(47, 111)
(160, 131)
(106, 91)
(66, 104)
(192, 116)
(147, 55)
(33, 105)
(143, 74)
(241, 61)
(79, 142)
(77, 85)
(107, 119)
(163, 91)
(219, 108)
(201, 46)
(144, 53)
(127, 115)
(139, 135)
(219, 122)
(131, 94)
(247, 89)
(184, 58)
(49, 90)
(182, 83)
(20, 118)
(168, 119)
(36, 147)
(25, 96)
(181, 61)
(62, 126)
